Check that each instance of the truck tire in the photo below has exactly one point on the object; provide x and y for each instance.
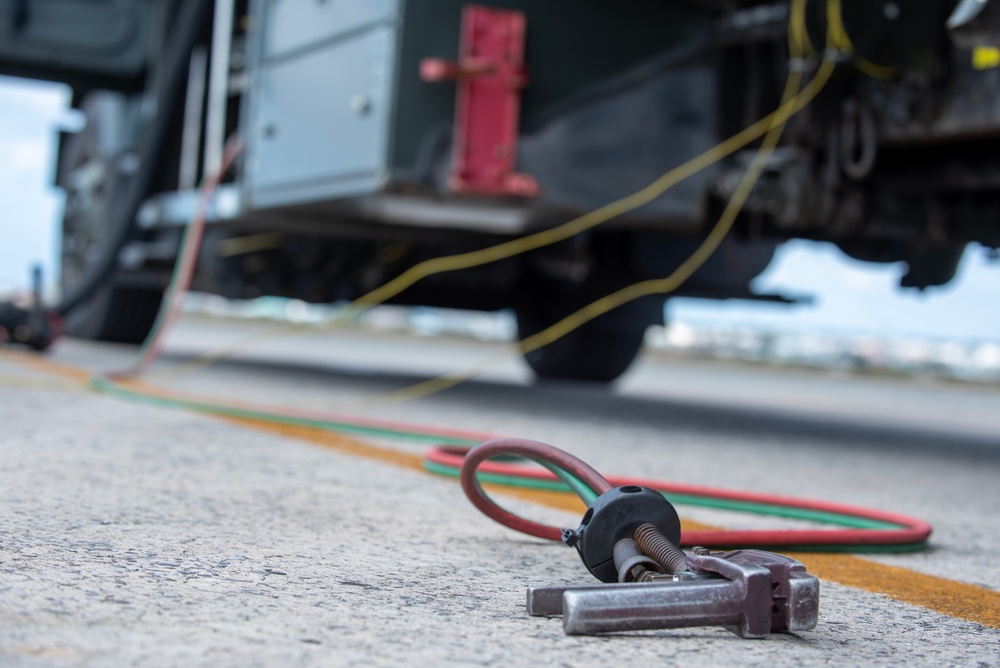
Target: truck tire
(599, 351)
(116, 314)
(92, 174)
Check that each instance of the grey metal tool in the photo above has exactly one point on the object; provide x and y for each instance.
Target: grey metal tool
(750, 592)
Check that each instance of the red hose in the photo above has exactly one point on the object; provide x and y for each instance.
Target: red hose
(186, 259)
(532, 450)
(912, 530)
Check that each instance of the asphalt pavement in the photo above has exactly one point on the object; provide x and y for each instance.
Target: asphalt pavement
(137, 534)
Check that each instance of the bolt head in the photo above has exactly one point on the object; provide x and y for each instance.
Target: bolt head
(361, 104)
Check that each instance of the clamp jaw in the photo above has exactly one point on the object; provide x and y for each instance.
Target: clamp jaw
(628, 540)
(749, 592)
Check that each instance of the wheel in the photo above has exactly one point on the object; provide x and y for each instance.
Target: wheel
(93, 173)
(599, 351)
(116, 313)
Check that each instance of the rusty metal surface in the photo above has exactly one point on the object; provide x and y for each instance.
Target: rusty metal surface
(489, 75)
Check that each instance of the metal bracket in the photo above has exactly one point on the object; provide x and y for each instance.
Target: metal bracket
(489, 76)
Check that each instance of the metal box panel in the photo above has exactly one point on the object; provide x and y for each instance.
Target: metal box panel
(337, 108)
(320, 120)
(295, 24)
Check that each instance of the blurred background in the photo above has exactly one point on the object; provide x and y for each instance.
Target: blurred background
(849, 314)
(858, 316)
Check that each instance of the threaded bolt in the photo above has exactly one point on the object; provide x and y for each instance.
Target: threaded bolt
(658, 547)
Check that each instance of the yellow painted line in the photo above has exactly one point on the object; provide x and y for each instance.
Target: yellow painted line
(955, 599)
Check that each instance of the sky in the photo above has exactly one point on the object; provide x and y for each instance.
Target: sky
(30, 207)
(849, 296)
(857, 297)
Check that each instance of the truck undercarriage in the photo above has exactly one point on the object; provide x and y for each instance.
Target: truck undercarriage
(359, 164)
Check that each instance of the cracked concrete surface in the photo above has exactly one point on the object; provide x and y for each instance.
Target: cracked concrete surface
(135, 535)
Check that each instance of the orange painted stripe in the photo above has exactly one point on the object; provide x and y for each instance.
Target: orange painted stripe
(348, 445)
(356, 447)
(955, 599)
(39, 363)
(46, 383)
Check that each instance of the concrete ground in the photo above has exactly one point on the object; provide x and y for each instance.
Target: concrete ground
(137, 534)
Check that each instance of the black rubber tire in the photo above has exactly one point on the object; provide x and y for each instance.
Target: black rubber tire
(117, 314)
(113, 312)
(599, 352)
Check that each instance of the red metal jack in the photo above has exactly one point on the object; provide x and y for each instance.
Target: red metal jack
(489, 75)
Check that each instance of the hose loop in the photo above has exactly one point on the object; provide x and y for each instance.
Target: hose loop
(858, 141)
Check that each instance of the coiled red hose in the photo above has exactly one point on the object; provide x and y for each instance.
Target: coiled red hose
(910, 530)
